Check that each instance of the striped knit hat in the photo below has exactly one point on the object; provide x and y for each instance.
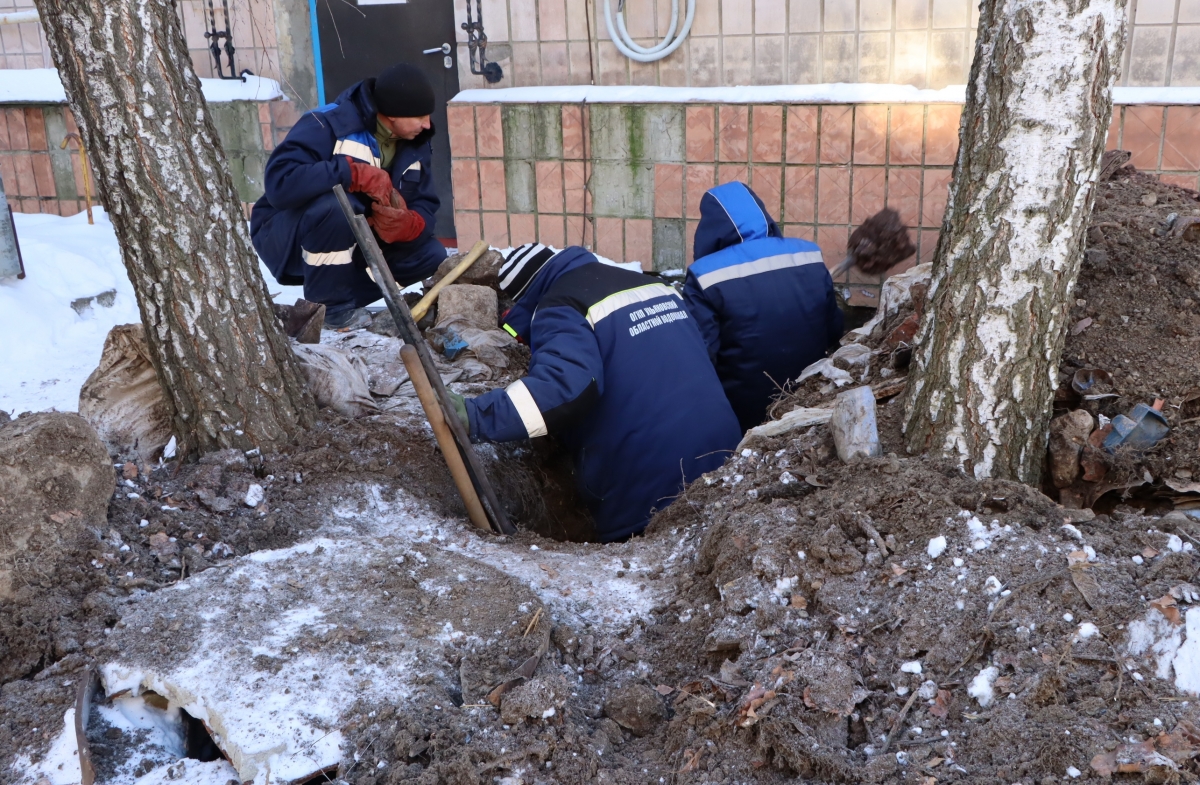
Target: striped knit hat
(522, 264)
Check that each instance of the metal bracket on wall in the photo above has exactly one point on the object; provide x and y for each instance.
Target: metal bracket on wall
(477, 44)
(214, 37)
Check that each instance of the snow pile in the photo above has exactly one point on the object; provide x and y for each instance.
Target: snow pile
(48, 346)
(42, 86)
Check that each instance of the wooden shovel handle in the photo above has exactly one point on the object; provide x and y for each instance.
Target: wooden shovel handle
(421, 308)
(445, 439)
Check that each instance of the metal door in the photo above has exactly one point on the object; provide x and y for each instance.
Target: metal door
(360, 38)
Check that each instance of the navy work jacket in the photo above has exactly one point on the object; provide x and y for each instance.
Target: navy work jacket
(620, 373)
(764, 303)
(311, 160)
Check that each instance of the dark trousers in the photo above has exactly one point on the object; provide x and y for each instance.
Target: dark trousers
(322, 255)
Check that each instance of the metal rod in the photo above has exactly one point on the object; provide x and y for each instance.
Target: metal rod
(412, 336)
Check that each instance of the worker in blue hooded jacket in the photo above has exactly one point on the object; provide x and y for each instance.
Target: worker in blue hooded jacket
(374, 142)
(763, 302)
(619, 372)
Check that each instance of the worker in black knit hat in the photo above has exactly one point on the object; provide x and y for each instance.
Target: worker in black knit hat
(374, 141)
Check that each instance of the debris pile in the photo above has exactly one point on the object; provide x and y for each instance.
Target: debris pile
(1127, 410)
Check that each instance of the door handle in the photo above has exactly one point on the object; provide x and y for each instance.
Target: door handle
(443, 49)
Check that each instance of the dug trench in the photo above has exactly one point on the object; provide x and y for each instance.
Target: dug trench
(788, 617)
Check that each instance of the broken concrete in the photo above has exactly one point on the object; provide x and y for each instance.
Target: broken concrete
(485, 271)
(1068, 436)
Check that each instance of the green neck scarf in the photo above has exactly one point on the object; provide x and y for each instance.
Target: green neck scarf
(387, 144)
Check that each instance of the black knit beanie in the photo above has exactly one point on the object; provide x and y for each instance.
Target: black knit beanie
(403, 91)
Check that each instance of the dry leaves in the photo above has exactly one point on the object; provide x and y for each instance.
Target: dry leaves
(1166, 606)
(941, 705)
(756, 699)
(1084, 581)
(1160, 755)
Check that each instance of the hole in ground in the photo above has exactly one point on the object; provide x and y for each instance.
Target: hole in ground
(535, 481)
(320, 777)
(197, 741)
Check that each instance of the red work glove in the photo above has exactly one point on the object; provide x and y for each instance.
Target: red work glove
(370, 180)
(397, 223)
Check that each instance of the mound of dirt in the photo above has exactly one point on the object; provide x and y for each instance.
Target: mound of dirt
(1134, 324)
(1136, 317)
(899, 607)
(170, 522)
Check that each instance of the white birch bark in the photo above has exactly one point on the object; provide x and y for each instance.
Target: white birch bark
(1038, 107)
(225, 365)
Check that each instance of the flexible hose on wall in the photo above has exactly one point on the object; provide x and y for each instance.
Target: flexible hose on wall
(625, 44)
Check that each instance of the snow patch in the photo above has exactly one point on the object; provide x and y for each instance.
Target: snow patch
(981, 687)
(838, 93)
(937, 546)
(42, 86)
(1187, 659)
(52, 347)
(1153, 635)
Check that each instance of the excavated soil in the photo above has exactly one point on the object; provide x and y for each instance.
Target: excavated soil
(175, 521)
(1140, 287)
(807, 616)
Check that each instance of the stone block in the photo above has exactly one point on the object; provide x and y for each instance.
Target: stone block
(547, 131)
(520, 185)
(663, 130)
(476, 305)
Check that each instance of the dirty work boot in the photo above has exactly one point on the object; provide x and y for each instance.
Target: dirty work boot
(353, 319)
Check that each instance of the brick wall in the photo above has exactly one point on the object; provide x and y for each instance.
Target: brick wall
(925, 43)
(626, 179)
(40, 177)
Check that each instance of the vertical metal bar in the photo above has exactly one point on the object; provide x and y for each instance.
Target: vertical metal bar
(10, 252)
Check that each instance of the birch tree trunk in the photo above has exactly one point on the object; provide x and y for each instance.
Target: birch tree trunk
(1039, 102)
(224, 363)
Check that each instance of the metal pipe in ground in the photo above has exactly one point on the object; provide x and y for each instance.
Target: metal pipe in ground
(445, 439)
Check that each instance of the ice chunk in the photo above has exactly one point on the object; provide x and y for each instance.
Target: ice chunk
(937, 546)
(254, 495)
(1187, 659)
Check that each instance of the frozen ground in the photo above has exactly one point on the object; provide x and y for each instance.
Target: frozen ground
(275, 648)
